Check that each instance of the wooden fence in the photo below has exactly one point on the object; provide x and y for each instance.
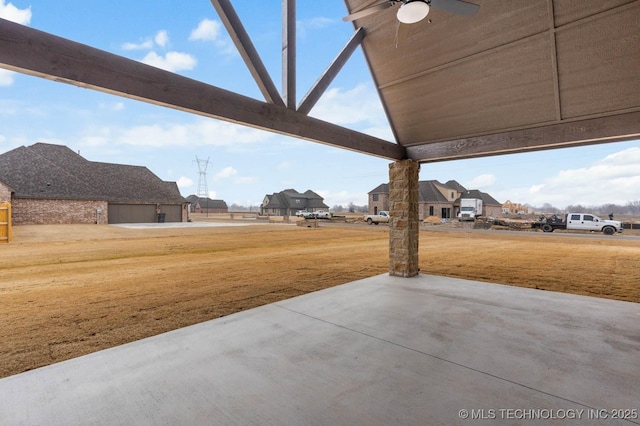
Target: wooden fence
(5, 222)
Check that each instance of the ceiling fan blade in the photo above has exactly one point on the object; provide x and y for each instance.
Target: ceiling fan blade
(457, 7)
(369, 11)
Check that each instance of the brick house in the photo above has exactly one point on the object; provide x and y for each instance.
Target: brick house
(5, 193)
(435, 199)
(52, 184)
(206, 205)
(289, 201)
(379, 198)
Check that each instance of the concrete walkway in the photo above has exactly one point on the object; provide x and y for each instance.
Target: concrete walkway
(421, 351)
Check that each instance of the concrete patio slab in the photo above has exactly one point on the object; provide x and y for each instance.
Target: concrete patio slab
(426, 350)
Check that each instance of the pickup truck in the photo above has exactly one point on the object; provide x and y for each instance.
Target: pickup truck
(578, 222)
(319, 214)
(382, 216)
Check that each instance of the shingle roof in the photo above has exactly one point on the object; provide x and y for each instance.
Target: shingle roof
(207, 203)
(429, 193)
(486, 198)
(383, 188)
(50, 171)
(287, 200)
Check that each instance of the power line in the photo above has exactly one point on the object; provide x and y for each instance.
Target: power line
(203, 189)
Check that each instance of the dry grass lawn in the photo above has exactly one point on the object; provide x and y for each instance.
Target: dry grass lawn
(68, 290)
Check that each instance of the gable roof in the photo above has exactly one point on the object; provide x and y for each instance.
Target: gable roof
(383, 188)
(428, 192)
(292, 199)
(47, 171)
(6, 186)
(206, 202)
(486, 198)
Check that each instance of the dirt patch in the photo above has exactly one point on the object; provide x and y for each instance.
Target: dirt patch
(68, 290)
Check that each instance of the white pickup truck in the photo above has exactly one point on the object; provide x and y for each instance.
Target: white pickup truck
(318, 214)
(578, 222)
(382, 216)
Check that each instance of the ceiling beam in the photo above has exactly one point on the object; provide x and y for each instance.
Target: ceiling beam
(564, 135)
(40, 54)
(247, 51)
(320, 86)
(289, 53)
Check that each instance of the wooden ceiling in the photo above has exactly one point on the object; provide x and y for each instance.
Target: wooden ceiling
(519, 75)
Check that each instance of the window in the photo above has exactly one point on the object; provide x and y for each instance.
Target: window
(588, 217)
(297, 201)
(575, 217)
(430, 210)
(453, 195)
(375, 197)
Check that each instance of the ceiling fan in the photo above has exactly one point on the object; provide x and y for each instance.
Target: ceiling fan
(412, 11)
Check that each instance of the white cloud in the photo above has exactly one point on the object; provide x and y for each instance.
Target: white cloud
(6, 77)
(161, 38)
(207, 30)
(114, 106)
(211, 31)
(171, 61)
(20, 16)
(184, 182)
(225, 173)
(357, 106)
(482, 181)
(213, 195)
(205, 132)
(145, 45)
(11, 13)
(614, 179)
(305, 26)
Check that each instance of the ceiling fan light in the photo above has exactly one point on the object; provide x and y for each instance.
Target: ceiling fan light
(413, 11)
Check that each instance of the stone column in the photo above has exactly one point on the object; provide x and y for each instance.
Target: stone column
(404, 224)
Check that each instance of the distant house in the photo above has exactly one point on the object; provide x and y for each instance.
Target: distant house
(206, 205)
(379, 198)
(435, 199)
(509, 207)
(289, 201)
(490, 206)
(49, 184)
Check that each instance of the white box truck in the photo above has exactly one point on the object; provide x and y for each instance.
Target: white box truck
(470, 209)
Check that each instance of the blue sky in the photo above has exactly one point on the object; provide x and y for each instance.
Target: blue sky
(245, 164)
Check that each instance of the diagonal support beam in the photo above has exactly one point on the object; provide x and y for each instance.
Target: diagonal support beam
(40, 54)
(248, 52)
(314, 94)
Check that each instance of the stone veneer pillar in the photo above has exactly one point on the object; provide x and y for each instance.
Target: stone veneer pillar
(404, 223)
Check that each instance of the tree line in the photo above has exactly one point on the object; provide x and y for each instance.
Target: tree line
(631, 208)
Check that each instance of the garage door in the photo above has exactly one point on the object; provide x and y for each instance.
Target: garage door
(172, 213)
(132, 213)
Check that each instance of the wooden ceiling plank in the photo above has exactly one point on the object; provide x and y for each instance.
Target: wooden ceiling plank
(247, 51)
(40, 54)
(593, 131)
(314, 94)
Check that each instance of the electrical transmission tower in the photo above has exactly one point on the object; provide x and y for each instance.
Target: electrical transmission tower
(203, 190)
